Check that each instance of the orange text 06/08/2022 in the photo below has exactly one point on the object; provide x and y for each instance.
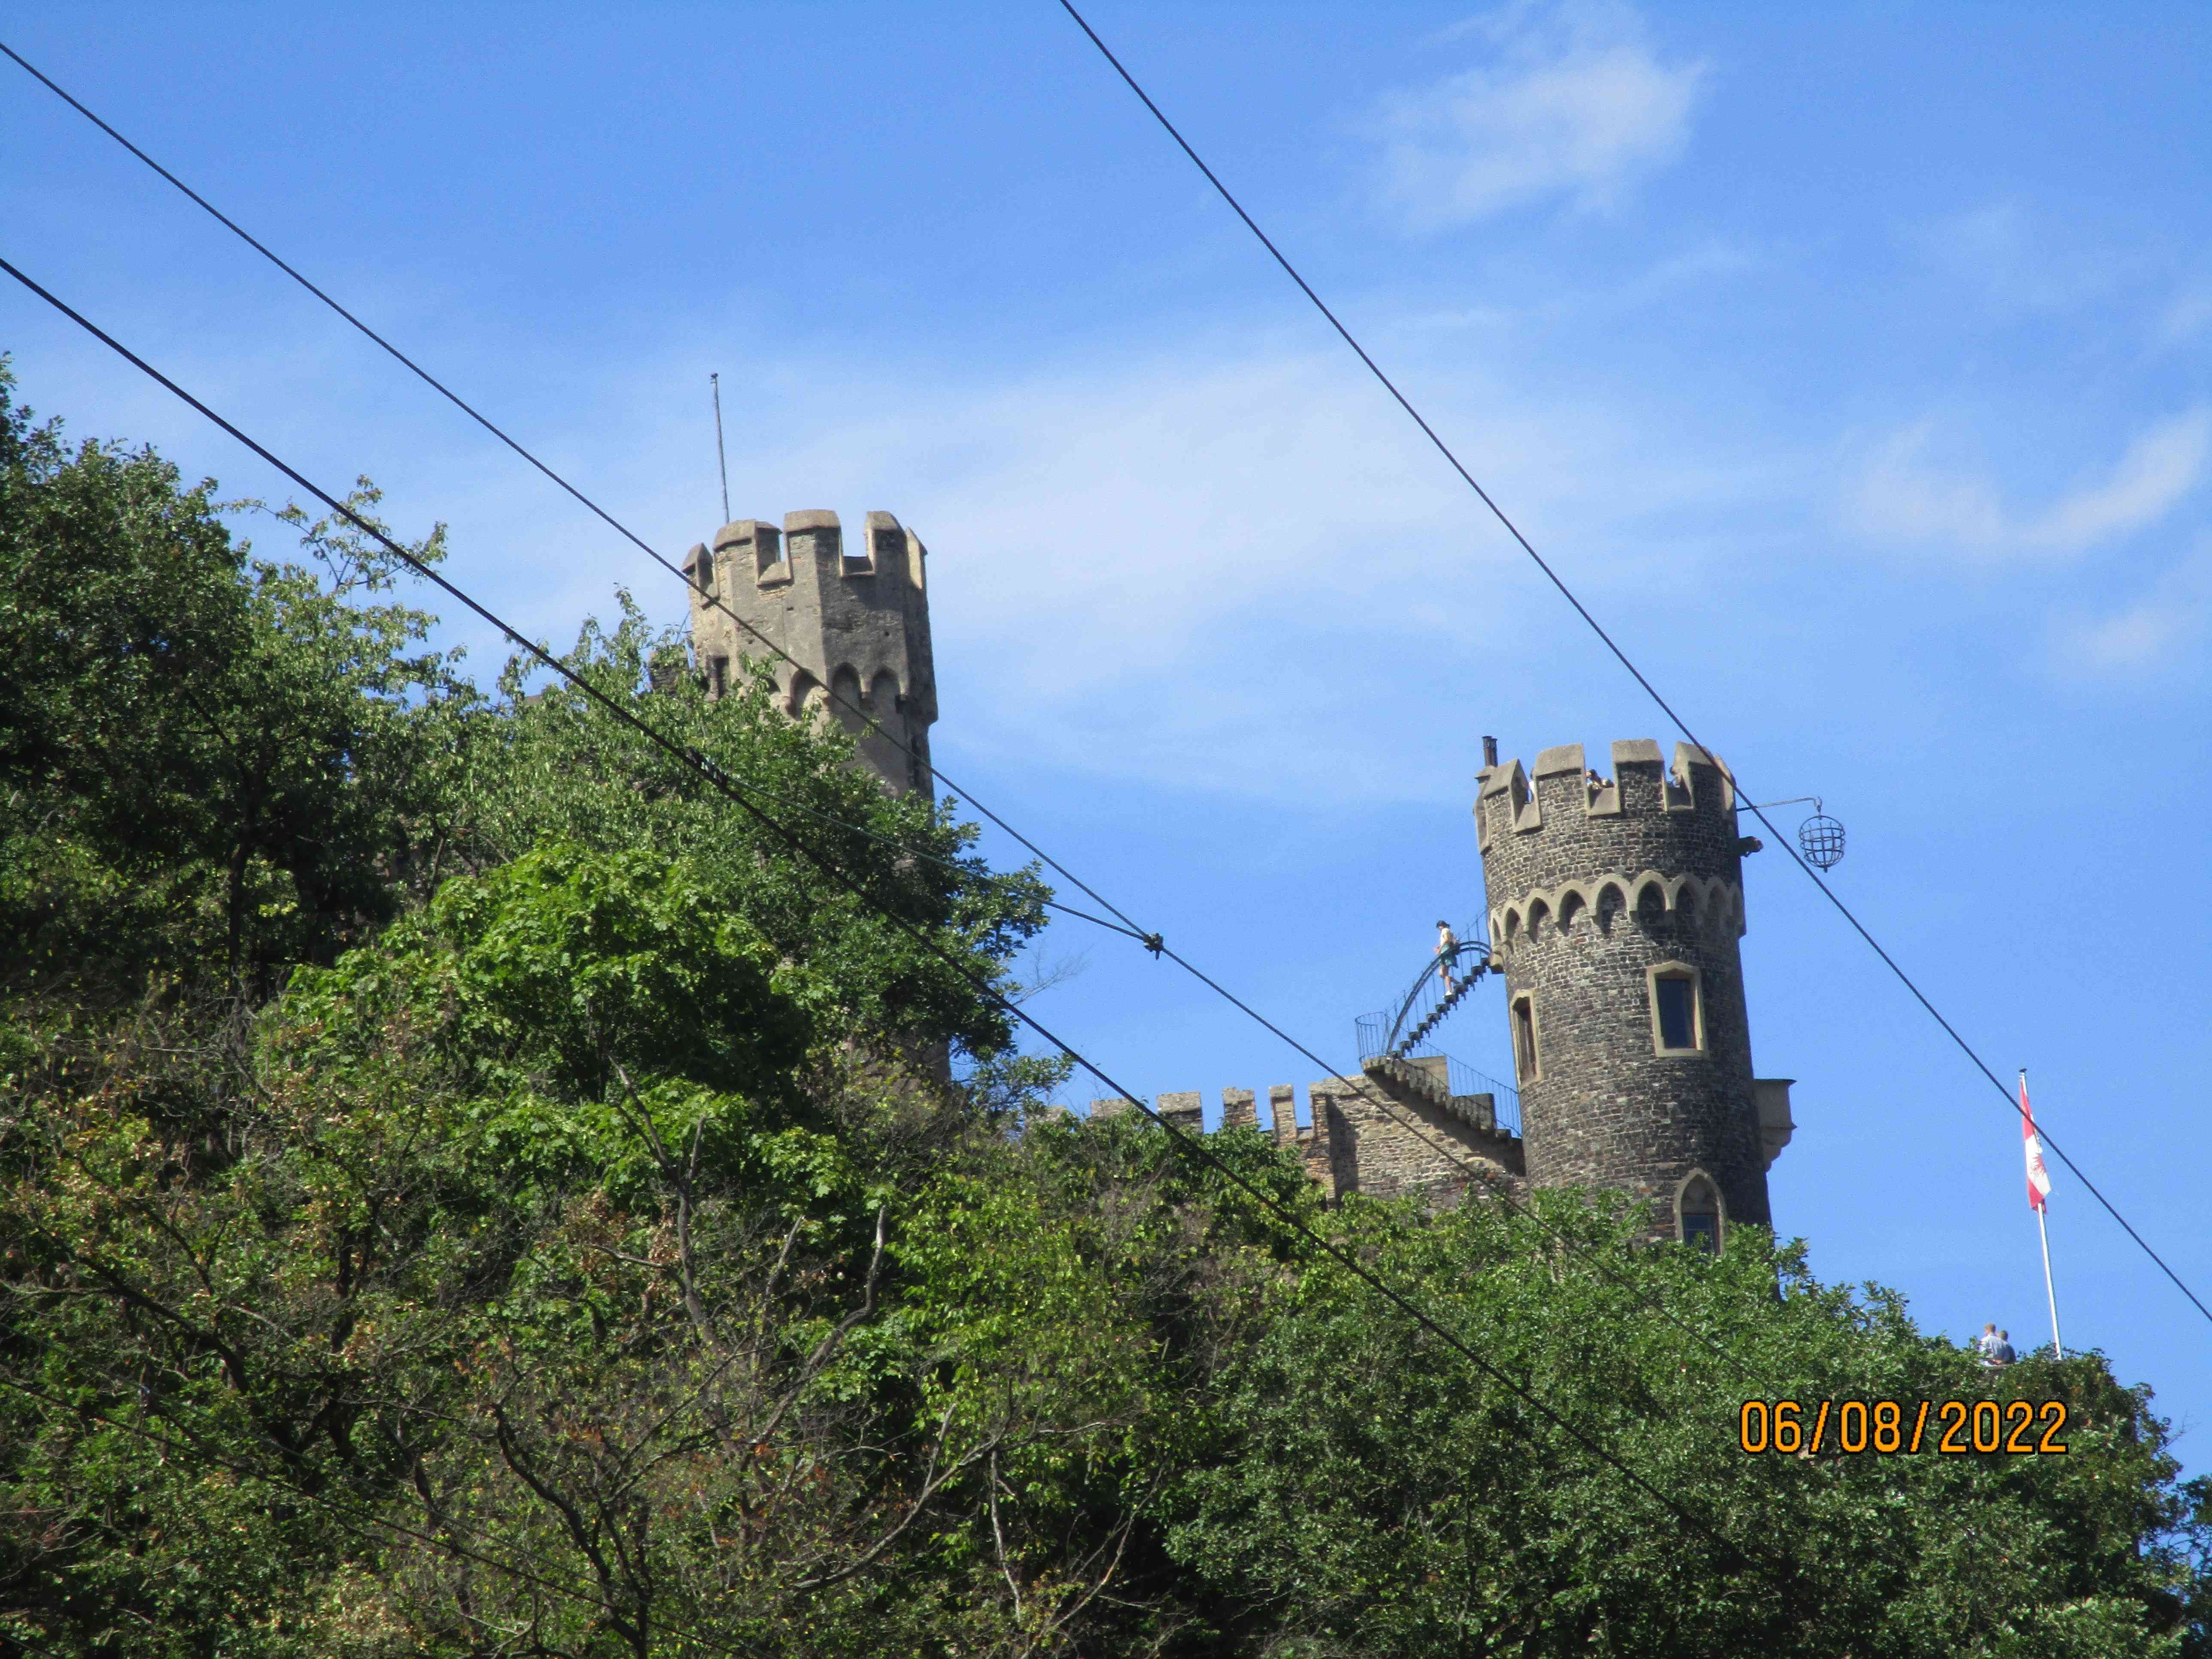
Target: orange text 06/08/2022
(1809, 1427)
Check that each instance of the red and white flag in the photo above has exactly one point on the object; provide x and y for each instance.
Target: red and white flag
(2038, 1178)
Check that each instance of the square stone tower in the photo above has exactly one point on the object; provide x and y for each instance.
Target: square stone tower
(855, 620)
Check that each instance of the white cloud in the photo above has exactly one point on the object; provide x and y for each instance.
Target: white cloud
(1222, 566)
(2024, 264)
(2188, 317)
(1905, 495)
(1574, 104)
(2150, 632)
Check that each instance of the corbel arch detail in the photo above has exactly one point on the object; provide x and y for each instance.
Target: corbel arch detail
(1715, 902)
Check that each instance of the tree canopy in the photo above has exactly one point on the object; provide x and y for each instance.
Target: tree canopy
(466, 1189)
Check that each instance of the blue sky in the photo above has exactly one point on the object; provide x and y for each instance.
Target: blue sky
(1855, 364)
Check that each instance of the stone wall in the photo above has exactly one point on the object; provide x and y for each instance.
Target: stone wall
(1382, 1135)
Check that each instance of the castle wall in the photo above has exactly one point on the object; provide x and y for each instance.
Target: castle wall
(1593, 885)
(854, 617)
(1358, 1138)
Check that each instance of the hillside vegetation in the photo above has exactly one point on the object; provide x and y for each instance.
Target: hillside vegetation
(466, 1189)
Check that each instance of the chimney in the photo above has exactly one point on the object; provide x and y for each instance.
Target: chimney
(1490, 751)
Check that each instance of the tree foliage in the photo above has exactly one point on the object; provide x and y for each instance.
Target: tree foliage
(467, 1188)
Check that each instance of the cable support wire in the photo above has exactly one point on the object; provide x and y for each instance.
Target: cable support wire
(1187, 1143)
(1666, 707)
(1151, 941)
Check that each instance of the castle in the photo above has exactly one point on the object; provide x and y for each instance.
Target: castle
(1614, 907)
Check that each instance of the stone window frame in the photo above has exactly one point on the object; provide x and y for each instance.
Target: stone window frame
(1676, 970)
(1720, 1208)
(1534, 1069)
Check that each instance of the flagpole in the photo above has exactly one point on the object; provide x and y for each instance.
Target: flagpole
(2038, 1200)
(2043, 1227)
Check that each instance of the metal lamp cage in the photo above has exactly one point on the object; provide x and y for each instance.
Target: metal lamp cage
(1820, 839)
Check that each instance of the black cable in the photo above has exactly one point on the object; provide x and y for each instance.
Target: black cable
(591, 506)
(1186, 1142)
(1621, 656)
(1151, 941)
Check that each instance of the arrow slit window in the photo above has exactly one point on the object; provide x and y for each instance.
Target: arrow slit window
(1524, 1038)
(1678, 1024)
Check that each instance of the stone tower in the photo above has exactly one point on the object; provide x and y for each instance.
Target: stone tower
(1614, 909)
(856, 620)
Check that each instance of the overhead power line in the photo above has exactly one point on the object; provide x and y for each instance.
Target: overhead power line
(1152, 940)
(1187, 1143)
(592, 507)
(1613, 646)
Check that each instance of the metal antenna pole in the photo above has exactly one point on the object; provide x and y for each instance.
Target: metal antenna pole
(720, 455)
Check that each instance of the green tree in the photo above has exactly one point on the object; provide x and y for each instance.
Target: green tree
(468, 1188)
(211, 766)
(1376, 1493)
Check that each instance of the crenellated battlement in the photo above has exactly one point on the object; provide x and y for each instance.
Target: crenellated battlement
(810, 543)
(1513, 801)
(1566, 823)
(1396, 1132)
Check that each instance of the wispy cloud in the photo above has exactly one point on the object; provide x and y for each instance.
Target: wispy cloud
(1211, 566)
(1905, 494)
(1575, 103)
(2021, 263)
(2187, 317)
(2152, 631)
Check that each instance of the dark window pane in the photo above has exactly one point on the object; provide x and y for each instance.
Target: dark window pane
(1702, 1232)
(1678, 1022)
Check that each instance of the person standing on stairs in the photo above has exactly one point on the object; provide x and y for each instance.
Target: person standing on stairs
(1447, 954)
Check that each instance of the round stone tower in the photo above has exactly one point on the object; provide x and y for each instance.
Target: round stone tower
(1615, 905)
(855, 620)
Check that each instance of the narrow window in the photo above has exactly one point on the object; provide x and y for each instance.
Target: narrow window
(1676, 1025)
(1699, 1213)
(703, 572)
(1524, 1038)
(718, 676)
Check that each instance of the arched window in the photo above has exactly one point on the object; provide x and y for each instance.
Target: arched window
(1698, 1213)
